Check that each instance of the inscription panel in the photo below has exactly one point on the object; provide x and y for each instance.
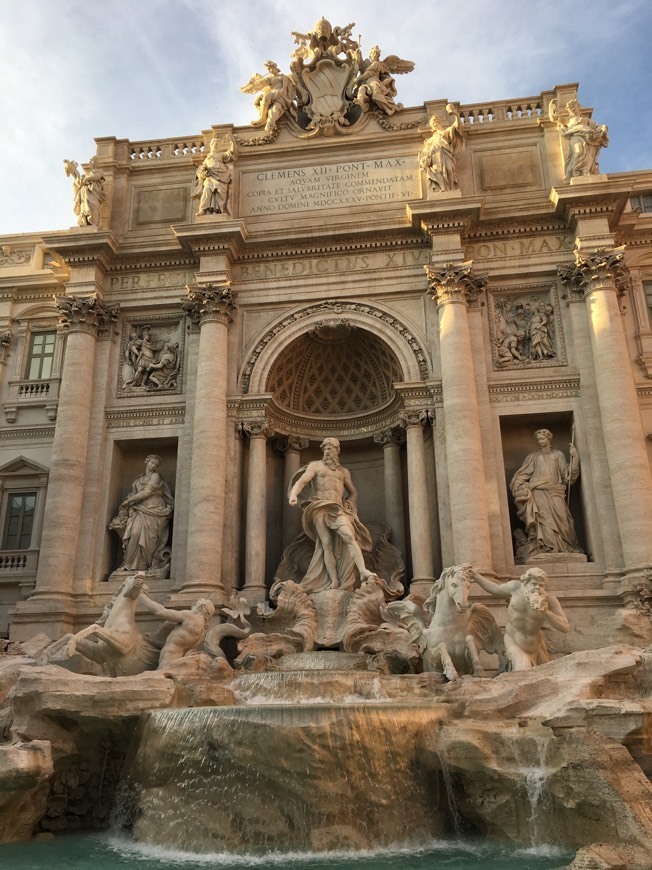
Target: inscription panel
(329, 185)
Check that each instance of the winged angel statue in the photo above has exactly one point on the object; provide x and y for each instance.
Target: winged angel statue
(330, 85)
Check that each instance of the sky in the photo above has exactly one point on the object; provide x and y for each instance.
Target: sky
(71, 70)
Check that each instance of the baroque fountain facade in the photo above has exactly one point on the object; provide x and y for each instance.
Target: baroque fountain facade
(329, 338)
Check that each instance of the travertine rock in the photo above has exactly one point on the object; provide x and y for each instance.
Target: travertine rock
(25, 769)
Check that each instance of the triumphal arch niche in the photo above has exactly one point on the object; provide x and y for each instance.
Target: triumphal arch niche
(454, 293)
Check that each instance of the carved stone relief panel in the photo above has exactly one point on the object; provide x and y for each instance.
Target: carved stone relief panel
(525, 328)
(151, 356)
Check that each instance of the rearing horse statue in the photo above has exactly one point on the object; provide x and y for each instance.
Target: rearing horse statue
(113, 641)
(457, 631)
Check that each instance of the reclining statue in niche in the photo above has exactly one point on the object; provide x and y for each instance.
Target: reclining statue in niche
(451, 640)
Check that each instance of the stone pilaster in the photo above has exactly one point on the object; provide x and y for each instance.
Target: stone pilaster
(599, 276)
(391, 441)
(83, 319)
(254, 587)
(211, 308)
(418, 503)
(291, 515)
(453, 287)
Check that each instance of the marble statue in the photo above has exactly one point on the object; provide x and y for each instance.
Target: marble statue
(88, 192)
(188, 634)
(277, 93)
(375, 83)
(330, 519)
(143, 521)
(540, 490)
(585, 139)
(437, 157)
(214, 177)
(457, 631)
(530, 608)
(114, 641)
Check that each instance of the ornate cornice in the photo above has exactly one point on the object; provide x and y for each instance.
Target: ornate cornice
(127, 418)
(85, 314)
(28, 432)
(519, 391)
(211, 302)
(453, 282)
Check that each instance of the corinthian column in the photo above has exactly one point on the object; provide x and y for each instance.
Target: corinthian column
(453, 288)
(597, 275)
(82, 318)
(418, 503)
(256, 516)
(210, 307)
(391, 440)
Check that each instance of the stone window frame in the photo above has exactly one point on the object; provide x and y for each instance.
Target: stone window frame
(42, 356)
(24, 519)
(641, 276)
(22, 475)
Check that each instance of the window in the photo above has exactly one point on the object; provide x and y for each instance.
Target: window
(643, 201)
(41, 356)
(19, 521)
(647, 289)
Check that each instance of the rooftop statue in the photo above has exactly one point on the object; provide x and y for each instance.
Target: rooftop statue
(530, 608)
(88, 192)
(330, 86)
(437, 157)
(214, 176)
(585, 139)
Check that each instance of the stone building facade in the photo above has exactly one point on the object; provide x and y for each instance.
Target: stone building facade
(231, 343)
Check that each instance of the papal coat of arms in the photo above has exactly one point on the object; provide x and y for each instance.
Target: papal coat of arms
(330, 86)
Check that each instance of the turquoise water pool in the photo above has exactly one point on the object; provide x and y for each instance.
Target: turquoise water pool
(108, 852)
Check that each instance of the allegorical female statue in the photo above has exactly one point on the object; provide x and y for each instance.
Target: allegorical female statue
(437, 157)
(214, 176)
(144, 519)
(585, 139)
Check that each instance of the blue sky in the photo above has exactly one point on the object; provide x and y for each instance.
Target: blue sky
(71, 70)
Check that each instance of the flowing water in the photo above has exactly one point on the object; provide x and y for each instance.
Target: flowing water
(105, 852)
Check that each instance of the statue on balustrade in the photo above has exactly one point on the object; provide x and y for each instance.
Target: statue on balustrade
(277, 93)
(143, 521)
(540, 489)
(585, 139)
(330, 519)
(437, 157)
(88, 192)
(214, 176)
(530, 608)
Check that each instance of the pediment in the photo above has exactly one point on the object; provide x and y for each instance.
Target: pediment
(22, 466)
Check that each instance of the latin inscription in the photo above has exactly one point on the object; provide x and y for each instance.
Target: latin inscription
(335, 185)
(150, 280)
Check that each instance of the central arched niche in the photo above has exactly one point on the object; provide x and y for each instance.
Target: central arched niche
(336, 370)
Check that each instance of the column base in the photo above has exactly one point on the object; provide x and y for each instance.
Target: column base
(189, 593)
(50, 614)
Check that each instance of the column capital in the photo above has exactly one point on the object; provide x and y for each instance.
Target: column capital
(85, 314)
(296, 443)
(598, 269)
(453, 282)
(258, 429)
(211, 302)
(414, 417)
(390, 437)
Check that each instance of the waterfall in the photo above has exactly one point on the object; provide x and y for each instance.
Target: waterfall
(310, 777)
(535, 778)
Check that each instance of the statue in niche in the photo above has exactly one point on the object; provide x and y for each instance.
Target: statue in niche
(524, 330)
(330, 519)
(143, 521)
(88, 192)
(585, 139)
(277, 93)
(530, 608)
(375, 82)
(150, 363)
(437, 157)
(540, 489)
(214, 176)
(190, 631)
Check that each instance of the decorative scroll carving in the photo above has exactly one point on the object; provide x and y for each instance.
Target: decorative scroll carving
(526, 329)
(413, 417)
(85, 314)
(394, 436)
(210, 302)
(256, 428)
(293, 442)
(454, 283)
(151, 358)
(595, 269)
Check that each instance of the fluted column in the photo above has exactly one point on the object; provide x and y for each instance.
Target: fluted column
(418, 503)
(391, 440)
(211, 307)
(596, 275)
(291, 515)
(82, 318)
(453, 288)
(256, 515)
